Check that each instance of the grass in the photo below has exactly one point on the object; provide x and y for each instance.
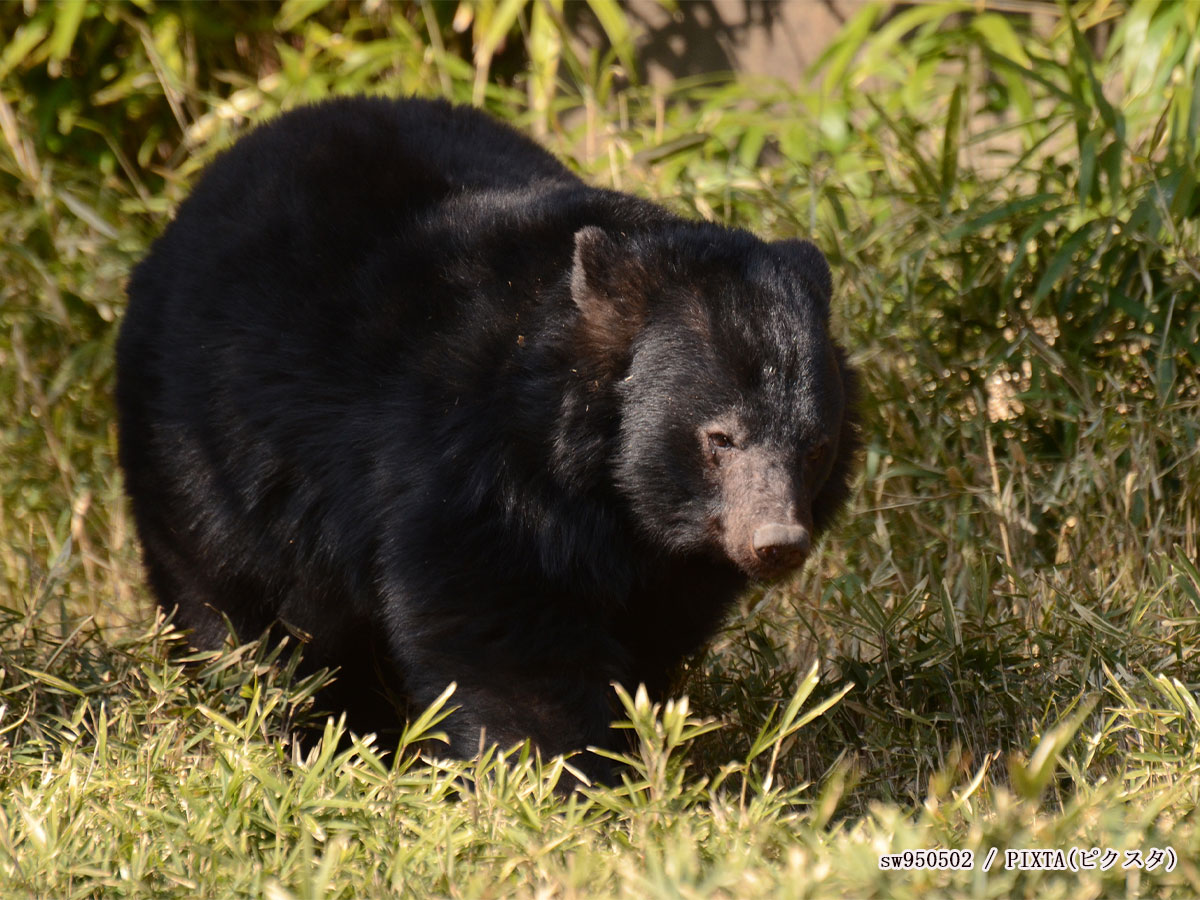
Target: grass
(996, 649)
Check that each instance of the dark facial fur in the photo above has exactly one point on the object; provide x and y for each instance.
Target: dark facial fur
(734, 397)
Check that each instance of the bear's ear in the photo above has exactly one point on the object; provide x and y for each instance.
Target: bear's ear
(609, 292)
(812, 266)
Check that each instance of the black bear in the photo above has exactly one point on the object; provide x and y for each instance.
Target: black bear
(397, 378)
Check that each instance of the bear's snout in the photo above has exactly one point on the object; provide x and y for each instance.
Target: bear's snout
(781, 543)
(782, 546)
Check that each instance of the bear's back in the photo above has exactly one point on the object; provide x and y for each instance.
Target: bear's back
(316, 211)
(370, 154)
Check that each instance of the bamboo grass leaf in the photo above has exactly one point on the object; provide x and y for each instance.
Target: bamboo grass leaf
(1062, 260)
(950, 140)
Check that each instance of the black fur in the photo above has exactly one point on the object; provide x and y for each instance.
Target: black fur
(395, 377)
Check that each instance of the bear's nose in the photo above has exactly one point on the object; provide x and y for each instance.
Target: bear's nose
(781, 545)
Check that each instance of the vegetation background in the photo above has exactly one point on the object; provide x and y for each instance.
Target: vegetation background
(998, 648)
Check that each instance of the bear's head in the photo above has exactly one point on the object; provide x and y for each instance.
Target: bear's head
(736, 431)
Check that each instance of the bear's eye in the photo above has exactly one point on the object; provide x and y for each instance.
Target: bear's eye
(719, 442)
(816, 451)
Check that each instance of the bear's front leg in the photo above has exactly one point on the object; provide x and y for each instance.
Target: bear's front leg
(559, 696)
